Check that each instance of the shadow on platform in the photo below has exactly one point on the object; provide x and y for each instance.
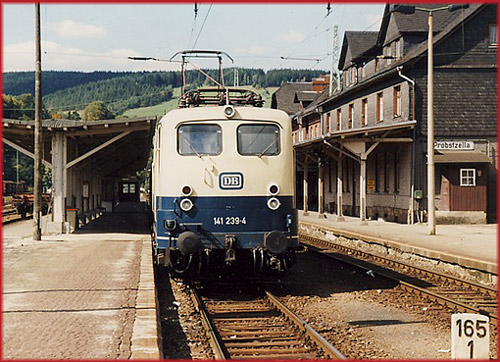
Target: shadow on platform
(127, 217)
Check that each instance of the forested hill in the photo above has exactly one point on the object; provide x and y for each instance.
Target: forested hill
(72, 91)
(17, 83)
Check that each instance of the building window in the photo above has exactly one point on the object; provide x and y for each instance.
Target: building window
(327, 123)
(467, 177)
(397, 102)
(398, 54)
(377, 65)
(388, 54)
(351, 114)
(396, 172)
(345, 175)
(380, 107)
(386, 171)
(329, 177)
(364, 111)
(493, 34)
(339, 119)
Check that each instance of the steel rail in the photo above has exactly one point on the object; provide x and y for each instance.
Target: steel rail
(221, 351)
(483, 288)
(408, 286)
(217, 347)
(320, 341)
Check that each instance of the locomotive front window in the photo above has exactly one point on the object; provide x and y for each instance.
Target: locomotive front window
(199, 139)
(259, 140)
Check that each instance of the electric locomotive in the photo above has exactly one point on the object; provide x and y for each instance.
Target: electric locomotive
(223, 187)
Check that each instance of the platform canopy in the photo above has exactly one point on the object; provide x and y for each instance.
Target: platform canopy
(127, 142)
(88, 159)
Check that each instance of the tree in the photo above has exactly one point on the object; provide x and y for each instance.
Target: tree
(97, 111)
(73, 115)
(21, 107)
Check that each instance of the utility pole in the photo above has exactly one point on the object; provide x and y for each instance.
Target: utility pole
(410, 9)
(431, 217)
(37, 203)
(335, 61)
(236, 81)
(17, 171)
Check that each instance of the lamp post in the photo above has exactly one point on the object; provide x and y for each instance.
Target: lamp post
(409, 9)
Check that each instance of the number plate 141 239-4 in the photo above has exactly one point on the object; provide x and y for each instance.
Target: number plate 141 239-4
(230, 220)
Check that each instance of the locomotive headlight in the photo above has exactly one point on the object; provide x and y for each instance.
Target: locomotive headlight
(186, 205)
(186, 190)
(273, 203)
(274, 189)
(229, 111)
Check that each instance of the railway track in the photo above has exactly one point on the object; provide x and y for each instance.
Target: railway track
(447, 290)
(259, 327)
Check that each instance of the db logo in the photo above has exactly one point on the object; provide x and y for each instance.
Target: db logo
(231, 181)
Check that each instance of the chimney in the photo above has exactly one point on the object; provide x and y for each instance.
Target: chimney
(320, 83)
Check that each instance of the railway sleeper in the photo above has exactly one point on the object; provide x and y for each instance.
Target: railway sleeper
(252, 314)
(260, 339)
(225, 328)
(278, 333)
(287, 343)
(295, 356)
(261, 351)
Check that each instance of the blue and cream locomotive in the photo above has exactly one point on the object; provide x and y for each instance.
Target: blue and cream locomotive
(223, 190)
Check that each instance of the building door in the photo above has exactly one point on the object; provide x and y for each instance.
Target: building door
(445, 194)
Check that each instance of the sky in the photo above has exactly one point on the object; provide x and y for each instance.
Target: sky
(88, 37)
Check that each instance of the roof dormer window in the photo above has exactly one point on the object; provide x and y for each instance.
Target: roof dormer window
(493, 35)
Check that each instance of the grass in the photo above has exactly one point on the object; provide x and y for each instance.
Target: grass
(162, 108)
(158, 110)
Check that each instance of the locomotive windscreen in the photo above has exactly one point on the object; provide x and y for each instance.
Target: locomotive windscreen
(200, 139)
(257, 139)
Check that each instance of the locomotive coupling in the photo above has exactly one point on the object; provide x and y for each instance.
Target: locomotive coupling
(189, 243)
(229, 244)
(275, 242)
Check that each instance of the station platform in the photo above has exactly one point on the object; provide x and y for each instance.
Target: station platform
(472, 248)
(86, 295)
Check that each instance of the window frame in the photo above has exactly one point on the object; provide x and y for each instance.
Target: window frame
(339, 119)
(465, 178)
(388, 54)
(259, 124)
(194, 153)
(396, 104)
(380, 107)
(387, 166)
(398, 49)
(397, 168)
(493, 31)
(351, 116)
(364, 112)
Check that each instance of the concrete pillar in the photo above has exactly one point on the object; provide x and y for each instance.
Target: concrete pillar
(340, 216)
(59, 158)
(362, 190)
(306, 188)
(320, 189)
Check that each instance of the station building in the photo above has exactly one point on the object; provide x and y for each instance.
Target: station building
(362, 150)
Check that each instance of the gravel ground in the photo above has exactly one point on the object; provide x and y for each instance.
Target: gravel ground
(362, 316)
